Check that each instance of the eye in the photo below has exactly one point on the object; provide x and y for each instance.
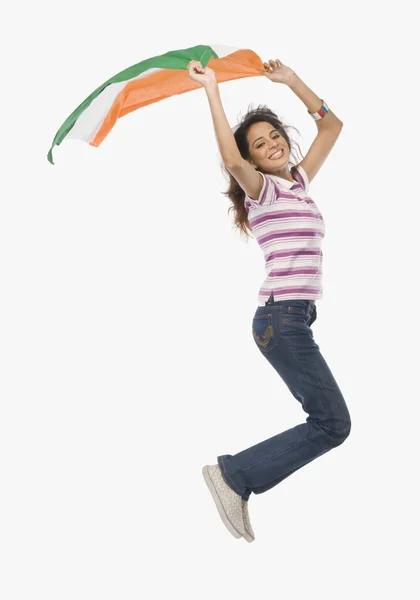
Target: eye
(274, 136)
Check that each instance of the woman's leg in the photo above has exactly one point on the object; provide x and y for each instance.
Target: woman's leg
(283, 334)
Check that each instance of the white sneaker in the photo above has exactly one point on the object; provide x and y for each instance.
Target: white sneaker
(228, 502)
(249, 535)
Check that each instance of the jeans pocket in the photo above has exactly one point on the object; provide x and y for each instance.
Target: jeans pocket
(263, 332)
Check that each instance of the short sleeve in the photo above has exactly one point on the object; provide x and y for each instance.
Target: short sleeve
(268, 193)
(304, 177)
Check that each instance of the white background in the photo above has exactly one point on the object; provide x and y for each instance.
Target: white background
(126, 305)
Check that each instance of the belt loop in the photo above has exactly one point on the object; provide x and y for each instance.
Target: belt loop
(270, 300)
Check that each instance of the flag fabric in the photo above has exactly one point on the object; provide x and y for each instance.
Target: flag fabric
(149, 81)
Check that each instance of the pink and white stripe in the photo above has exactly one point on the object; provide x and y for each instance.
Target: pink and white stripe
(289, 229)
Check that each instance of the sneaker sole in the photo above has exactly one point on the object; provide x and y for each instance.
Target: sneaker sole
(219, 504)
(248, 537)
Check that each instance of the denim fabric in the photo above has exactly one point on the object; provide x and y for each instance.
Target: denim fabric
(282, 331)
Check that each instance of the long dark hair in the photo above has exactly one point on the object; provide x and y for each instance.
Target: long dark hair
(235, 193)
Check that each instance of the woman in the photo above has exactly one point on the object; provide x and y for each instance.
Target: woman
(273, 202)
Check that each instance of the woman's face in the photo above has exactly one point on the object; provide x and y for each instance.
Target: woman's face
(267, 147)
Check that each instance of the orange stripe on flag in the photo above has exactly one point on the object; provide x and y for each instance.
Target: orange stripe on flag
(167, 82)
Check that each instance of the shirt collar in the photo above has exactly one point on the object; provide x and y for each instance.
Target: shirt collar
(284, 182)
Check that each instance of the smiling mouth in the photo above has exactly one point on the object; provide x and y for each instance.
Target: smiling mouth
(277, 155)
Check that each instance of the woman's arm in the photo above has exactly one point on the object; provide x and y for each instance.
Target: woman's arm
(280, 73)
(329, 127)
(313, 103)
(225, 138)
(224, 135)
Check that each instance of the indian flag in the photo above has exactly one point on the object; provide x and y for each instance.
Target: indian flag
(149, 81)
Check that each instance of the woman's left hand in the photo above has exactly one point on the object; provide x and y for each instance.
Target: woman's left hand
(278, 72)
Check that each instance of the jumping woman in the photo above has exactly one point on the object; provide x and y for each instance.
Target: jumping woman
(273, 203)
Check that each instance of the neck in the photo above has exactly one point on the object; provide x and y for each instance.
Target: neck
(284, 173)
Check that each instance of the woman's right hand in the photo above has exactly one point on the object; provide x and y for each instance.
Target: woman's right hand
(203, 76)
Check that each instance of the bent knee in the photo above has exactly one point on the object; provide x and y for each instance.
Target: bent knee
(341, 432)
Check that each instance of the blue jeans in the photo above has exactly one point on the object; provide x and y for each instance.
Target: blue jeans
(283, 334)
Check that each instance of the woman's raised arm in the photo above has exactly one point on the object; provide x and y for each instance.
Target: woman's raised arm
(224, 135)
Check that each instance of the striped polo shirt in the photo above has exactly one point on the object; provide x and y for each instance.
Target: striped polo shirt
(289, 228)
